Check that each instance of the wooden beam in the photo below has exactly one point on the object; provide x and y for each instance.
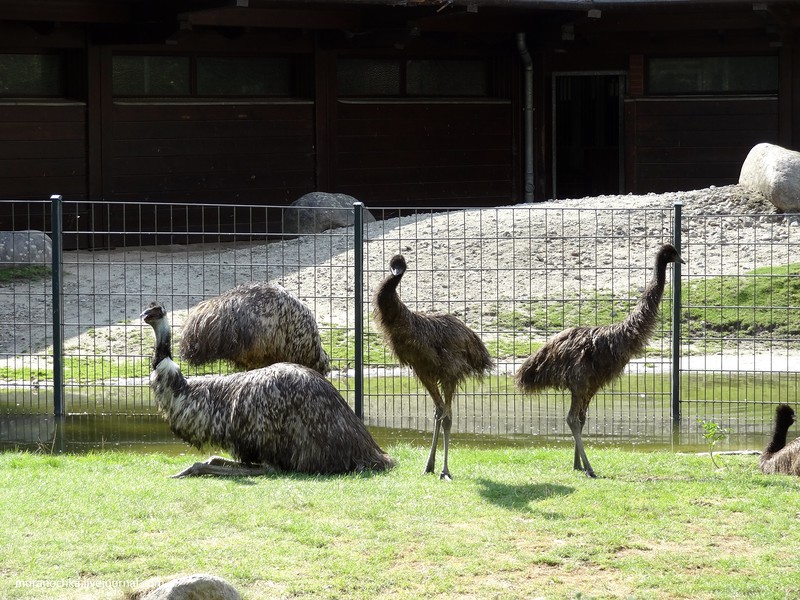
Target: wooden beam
(342, 18)
(66, 11)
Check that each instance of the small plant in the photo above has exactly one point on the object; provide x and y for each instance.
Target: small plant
(713, 433)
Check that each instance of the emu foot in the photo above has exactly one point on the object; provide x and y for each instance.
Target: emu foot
(588, 472)
(429, 468)
(445, 476)
(223, 467)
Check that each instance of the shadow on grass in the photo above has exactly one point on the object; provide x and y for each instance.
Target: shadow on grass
(520, 497)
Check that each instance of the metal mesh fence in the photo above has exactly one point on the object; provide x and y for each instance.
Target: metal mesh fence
(516, 275)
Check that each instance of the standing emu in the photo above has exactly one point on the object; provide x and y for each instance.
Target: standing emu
(284, 417)
(584, 359)
(777, 456)
(440, 349)
(253, 325)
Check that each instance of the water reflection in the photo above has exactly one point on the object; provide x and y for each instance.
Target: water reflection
(79, 433)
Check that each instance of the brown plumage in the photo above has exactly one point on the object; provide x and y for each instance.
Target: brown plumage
(778, 457)
(284, 417)
(584, 359)
(441, 350)
(253, 325)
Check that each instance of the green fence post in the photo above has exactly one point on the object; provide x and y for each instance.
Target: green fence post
(58, 315)
(358, 270)
(675, 386)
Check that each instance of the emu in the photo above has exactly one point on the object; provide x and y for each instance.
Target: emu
(253, 325)
(284, 417)
(778, 457)
(584, 359)
(439, 348)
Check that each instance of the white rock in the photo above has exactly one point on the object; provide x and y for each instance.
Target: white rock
(193, 587)
(774, 172)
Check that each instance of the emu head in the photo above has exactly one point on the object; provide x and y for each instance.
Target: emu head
(668, 254)
(397, 265)
(154, 313)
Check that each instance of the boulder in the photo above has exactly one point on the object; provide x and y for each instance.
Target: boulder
(22, 248)
(320, 211)
(774, 172)
(187, 587)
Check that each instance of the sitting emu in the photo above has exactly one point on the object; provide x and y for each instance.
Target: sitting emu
(285, 417)
(253, 325)
(778, 457)
(584, 359)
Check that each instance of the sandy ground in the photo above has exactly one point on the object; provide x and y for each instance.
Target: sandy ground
(472, 263)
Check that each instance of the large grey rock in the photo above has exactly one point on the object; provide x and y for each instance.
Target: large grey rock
(187, 587)
(775, 172)
(320, 211)
(28, 247)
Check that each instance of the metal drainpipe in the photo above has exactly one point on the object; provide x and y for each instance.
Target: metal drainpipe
(527, 63)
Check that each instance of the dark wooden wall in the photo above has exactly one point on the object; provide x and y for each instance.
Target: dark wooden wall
(43, 149)
(425, 154)
(42, 152)
(684, 144)
(258, 153)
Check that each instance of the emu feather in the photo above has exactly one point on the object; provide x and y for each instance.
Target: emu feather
(584, 359)
(284, 417)
(253, 325)
(778, 456)
(441, 350)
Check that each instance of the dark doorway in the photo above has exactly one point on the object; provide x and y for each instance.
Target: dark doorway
(587, 134)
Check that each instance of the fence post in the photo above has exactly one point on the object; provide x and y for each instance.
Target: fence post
(358, 269)
(675, 385)
(58, 314)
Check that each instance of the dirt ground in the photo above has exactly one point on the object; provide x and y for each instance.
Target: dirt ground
(460, 255)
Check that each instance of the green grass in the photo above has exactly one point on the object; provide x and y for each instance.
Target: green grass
(762, 301)
(515, 523)
(26, 273)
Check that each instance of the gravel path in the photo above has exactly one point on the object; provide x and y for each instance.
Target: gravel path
(463, 255)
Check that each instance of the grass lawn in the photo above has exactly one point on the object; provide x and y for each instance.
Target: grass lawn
(515, 523)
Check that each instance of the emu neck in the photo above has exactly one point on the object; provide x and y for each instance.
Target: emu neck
(642, 321)
(387, 301)
(163, 343)
(778, 440)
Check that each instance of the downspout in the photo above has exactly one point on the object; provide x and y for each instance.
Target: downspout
(527, 64)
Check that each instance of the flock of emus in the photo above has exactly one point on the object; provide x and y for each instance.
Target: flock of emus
(282, 414)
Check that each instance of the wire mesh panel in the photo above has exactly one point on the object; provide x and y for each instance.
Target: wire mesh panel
(516, 276)
(180, 255)
(26, 334)
(740, 305)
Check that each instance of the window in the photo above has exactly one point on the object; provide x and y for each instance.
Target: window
(446, 78)
(32, 75)
(206, 76)
(379, 77)
(713, 75)
(243, 77)
(369, 77)
(151, 76)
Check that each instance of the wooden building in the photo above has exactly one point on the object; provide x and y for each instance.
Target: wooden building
(396, 102)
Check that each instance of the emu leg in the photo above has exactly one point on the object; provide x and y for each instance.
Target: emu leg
(446, 423)
(430, 466)
(223, 467)
(433, 389)
(576, 420)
